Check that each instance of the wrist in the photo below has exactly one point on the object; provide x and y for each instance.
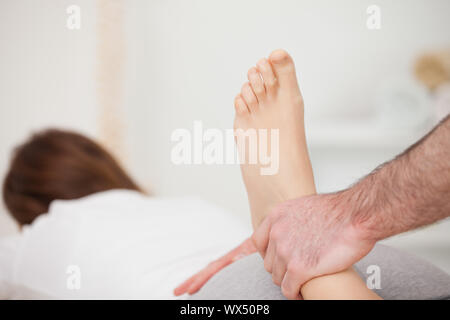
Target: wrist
(363, 216)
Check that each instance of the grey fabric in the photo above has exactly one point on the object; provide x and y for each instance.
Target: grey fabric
(403, 276)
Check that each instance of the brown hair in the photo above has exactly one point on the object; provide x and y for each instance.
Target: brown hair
(56, 164)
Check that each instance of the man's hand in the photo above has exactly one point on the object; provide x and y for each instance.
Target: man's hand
(323, 234)
(196, 282)
(309, 237)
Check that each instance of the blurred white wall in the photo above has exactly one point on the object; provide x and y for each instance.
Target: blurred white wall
(186, 60)
(46, 76)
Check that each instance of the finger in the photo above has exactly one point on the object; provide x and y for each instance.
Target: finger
(260, 237)
(204, 277)
(199, 283)
(292, 283)
(248, 247)
(278, 270)
(200, 278)
(270, 256)
(183, 288)
(194, 283)
(244, 249)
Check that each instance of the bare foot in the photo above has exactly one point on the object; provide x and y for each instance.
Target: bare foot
(272, 100)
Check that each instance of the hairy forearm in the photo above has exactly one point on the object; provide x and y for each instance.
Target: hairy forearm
(411, 191)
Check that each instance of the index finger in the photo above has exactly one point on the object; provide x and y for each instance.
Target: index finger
(183, 288)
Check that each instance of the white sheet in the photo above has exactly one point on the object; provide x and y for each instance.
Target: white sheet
(124, 244)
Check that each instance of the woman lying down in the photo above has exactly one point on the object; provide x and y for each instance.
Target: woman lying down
(88, 231)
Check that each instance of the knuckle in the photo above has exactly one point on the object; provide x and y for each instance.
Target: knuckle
(267, 266)
(283, 251)
(276, 233)
(286, 292)
(293, 268)
(254, 240)
(276, 279)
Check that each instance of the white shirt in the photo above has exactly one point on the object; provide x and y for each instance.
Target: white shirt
(117, 244)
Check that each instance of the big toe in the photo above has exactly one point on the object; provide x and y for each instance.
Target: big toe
(284, 67)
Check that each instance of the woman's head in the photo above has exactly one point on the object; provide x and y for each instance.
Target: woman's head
(57, 164)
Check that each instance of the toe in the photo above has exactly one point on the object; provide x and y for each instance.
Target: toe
(283, 67)
(257, 84)
(249, 97)
(268, 75)
(280, 56)
(240, 106)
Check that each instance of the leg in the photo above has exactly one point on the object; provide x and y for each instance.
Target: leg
(272, 100)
